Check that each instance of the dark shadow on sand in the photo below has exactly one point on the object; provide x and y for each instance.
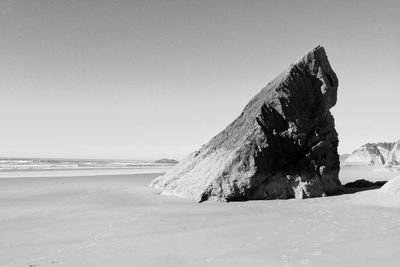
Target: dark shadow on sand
(359, 186)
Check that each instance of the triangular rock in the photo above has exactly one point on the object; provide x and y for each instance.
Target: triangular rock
(283, 144)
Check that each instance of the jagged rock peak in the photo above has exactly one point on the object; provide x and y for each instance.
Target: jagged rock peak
(282, 145)
(373, 154)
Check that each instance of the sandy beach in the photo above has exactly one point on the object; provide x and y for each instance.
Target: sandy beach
(117, 220)
(350, 173)
(199, 133)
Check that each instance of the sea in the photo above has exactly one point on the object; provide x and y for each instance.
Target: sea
(44, 167)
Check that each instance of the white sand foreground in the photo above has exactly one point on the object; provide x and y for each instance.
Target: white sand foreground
(119, 221)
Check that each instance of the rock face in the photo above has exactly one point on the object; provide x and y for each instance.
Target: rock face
(370, 154)
(394, 156)
(387, 154)
(283, 145)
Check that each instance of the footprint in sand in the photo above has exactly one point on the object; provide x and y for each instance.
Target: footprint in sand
(316, 245)
(383, 231)
(305, 262)
(284, 260)
(332, 237)
(316, 253)
(210, 259)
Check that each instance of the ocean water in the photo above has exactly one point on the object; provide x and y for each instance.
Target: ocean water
(19, 168)
(74, 164)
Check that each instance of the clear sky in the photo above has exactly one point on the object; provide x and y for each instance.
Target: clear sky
(151, 79)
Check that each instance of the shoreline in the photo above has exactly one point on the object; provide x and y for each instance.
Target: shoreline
(80, 172)
(348, 173)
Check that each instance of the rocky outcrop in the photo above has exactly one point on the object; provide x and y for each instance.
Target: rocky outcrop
(283, 145)
(393, 157)
(384, 153)
(166, 161)
(362, 183)
(370, 154)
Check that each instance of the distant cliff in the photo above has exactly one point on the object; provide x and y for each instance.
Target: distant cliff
(384, 153)
(171, 161)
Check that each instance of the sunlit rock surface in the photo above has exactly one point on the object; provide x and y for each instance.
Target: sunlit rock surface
(394, 155)
(283, 144)
(370, 154)
(387, 154)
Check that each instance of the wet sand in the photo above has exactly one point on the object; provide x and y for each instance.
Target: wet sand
(372, 173)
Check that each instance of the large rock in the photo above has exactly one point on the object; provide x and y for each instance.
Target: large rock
(283, 145)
